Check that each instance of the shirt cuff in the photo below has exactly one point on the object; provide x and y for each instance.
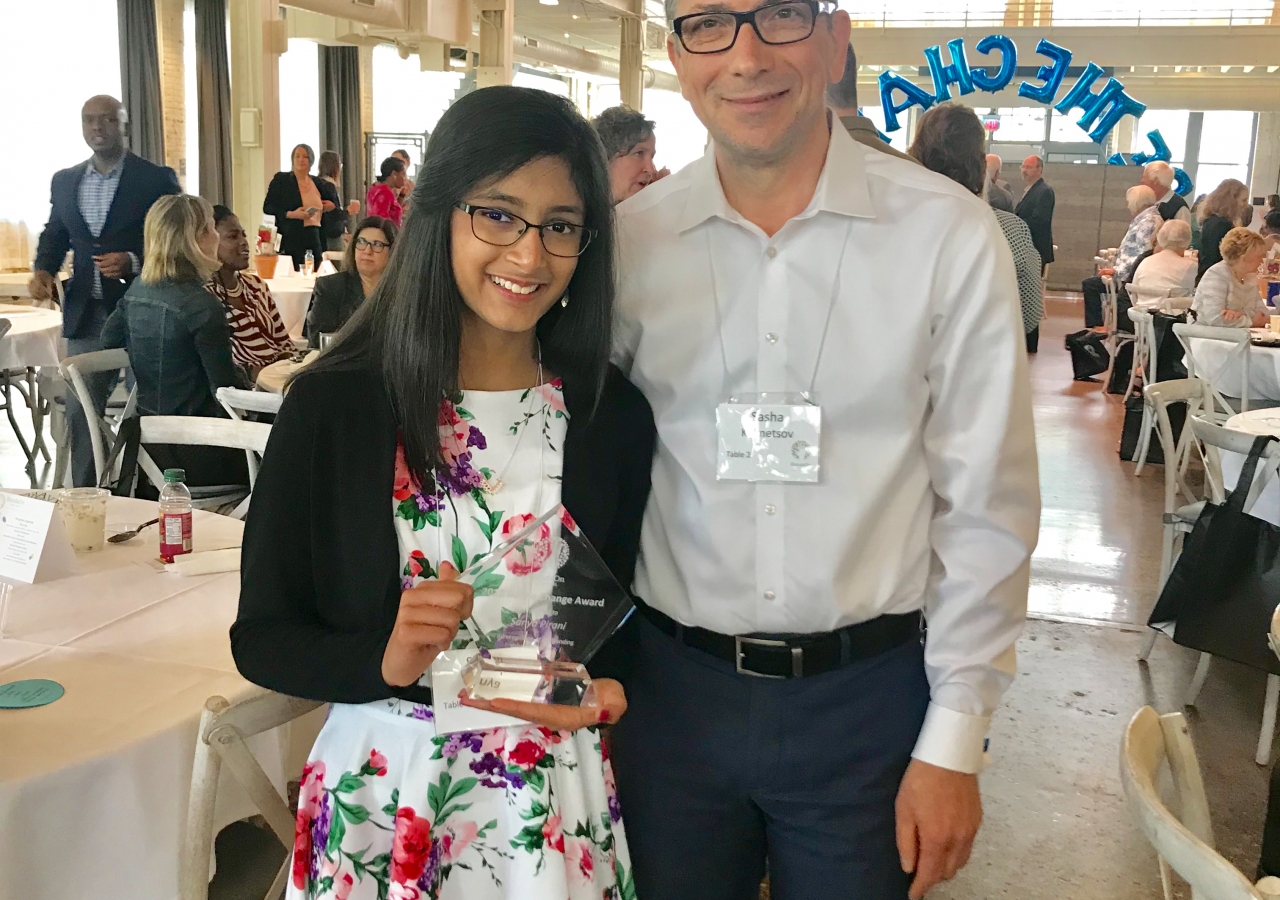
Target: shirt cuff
(137, 266)
(953, 740)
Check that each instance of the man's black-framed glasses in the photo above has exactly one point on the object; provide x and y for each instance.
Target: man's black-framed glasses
(774, 23)
(502, 229)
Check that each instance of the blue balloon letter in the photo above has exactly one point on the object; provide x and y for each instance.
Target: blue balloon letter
(1111, 98)
(957, 73)
(1181, 183)
(1117, 159)
(915, 96)
(1009, 59)
(1051, 74)
(1161, 153)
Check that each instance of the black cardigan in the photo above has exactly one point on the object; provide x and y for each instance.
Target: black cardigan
(283, 197)
(320, 566)
(335, 299)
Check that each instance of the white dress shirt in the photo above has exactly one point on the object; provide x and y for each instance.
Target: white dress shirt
(1164, 274)
(929, 494)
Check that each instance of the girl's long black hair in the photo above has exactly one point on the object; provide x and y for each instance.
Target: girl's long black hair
(411, 327)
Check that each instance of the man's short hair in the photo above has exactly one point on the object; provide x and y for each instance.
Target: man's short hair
(620, 128)
(843, 94)
(1160, 172)
(1175, 235)
(1138, 198)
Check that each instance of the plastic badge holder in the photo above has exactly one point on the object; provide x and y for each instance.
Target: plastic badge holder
(553, 627)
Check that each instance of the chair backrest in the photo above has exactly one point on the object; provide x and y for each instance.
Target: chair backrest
(1213, 438)
(1144, 350)
(223, 730)
(205, 431)
(1186, 843)
(236, 401)
(1177, 453)
(74, 368)
(1214, 376)
(5, 325)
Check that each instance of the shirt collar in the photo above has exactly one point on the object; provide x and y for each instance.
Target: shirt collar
(112, 173)
(1169, 195)
(842, 188)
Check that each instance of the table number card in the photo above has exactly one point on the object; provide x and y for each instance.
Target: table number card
(33, 544)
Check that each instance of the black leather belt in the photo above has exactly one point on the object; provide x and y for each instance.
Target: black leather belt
(795, 657)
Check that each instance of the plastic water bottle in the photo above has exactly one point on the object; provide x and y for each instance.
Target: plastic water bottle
(309, 264)
(175, 515)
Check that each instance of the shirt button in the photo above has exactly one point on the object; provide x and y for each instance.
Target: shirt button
(770, 509)
(771, 338)
(770, 595)
(771, 252)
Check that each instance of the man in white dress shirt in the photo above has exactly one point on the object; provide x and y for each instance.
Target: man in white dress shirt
(783, 705)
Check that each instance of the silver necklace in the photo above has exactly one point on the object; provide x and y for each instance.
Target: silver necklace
(492, 484)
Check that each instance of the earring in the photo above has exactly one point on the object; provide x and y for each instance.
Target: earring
(564, 301)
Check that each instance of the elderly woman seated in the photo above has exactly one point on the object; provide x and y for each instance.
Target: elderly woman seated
(1228, 293)
(1166, 272)
(1141, 201)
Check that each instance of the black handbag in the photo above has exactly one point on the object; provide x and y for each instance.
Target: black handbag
(1089, 354)
(1131, 433)
(1225, 586)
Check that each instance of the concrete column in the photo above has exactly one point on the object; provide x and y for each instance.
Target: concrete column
(1266, 156)
(366, 109)
(497, 31)
(1124, 135)
(1191, 161)
(631, 57)
(173, 96)
(258, 37)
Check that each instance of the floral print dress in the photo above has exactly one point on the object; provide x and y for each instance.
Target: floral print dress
(391, 810)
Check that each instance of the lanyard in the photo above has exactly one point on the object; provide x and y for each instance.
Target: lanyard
(826, 325)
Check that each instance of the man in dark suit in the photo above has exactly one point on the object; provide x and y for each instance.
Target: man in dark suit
(98, 210)
(1036, 208)
(842, 100)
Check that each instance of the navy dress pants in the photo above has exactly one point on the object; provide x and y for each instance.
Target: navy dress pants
(719, 772)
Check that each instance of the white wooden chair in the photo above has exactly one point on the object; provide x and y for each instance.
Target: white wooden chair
(1210, 439)
(1184, 843)
(223, 729)
(1214, 376)
(250, 437)
(236, 401)
(102, 428)
(52, 388)
(1144, 360)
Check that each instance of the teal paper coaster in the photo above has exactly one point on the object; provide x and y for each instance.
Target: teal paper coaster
(30, 693)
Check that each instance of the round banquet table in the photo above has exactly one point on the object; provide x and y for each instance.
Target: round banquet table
(274, 377)
(293, 296)
(33, 339)
(1256, 422)
(99, 779)
(1264, 366)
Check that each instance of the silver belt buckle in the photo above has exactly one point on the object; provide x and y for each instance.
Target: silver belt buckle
(797, 657)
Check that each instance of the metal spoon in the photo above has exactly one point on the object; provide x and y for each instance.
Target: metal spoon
(130, 535)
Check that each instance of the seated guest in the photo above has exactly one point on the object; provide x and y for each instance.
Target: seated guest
(176, 334)
(1137, 240)
(949, 140)
(1271, 229)
(1221, 211)
(258, 336)
(339, 295)
(1228, 293)
(383, 199)
(629, 145)
(1167, 272)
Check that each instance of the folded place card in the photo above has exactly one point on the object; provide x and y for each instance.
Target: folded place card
(33, 545)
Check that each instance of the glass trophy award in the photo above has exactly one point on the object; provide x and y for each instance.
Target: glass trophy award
(545, 604)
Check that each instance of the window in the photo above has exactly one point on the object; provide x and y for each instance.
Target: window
(44, 99)
(1064, 130)
(406, 99)
(1172, 125)
(299, 100)
(191, 181)
(898, 139)
(681, 136)
(541, 82)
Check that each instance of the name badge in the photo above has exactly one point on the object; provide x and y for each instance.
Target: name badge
(769, 437)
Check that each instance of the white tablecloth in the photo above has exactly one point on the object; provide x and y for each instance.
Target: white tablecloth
(292, 295)
(1256, 421)
(93, 788)
(14, 284)
(1264, 368)
(273, 377)
(33, 340)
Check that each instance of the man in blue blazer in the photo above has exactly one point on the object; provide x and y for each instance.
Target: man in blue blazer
(98, 210)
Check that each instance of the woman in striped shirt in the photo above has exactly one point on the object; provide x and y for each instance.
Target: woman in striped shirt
(258, 336)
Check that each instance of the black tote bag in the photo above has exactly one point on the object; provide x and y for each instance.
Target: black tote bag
(1226, 584)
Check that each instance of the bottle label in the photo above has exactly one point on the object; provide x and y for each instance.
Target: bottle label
(175, 535)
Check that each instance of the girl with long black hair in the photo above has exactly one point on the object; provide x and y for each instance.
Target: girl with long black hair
(470, 393)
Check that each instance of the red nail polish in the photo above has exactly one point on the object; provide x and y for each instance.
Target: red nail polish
(604, 717)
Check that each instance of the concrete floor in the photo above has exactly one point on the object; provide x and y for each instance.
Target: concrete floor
(1056, 826)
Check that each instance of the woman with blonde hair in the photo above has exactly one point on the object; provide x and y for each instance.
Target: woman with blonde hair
(176, 334)
(1228, 293)
(1221, 211)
